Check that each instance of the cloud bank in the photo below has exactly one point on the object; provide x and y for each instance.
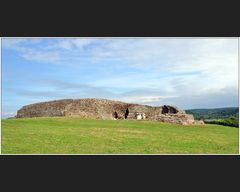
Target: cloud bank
(186, 72)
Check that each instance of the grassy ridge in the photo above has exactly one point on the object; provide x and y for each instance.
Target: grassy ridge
(59, 135)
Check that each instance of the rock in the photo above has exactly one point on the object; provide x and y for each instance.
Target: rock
(105, 109)
(140, 116)
(199, 122)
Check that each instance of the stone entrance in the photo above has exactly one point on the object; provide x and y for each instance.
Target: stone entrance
(168, 109)
(126, 113)
(115, 115)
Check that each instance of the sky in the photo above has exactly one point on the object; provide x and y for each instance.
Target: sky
(189, 73)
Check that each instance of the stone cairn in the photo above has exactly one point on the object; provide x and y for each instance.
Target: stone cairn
(105, 109)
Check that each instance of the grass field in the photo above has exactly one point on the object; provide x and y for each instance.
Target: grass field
(59, 135)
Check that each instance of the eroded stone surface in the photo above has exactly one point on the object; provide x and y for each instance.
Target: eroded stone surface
(105, 109)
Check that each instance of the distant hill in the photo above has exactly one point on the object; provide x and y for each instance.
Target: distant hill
(224, 116)
(218, 113)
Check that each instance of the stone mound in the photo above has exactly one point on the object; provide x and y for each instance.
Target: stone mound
(105, 109)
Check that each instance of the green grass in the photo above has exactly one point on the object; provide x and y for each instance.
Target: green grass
(59, 135)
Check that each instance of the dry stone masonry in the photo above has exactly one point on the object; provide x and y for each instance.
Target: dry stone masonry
(105, 109)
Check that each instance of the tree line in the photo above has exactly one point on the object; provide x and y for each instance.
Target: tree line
(222, 116)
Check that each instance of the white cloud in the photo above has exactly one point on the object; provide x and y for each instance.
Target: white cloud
(14, 44)
(61, 44)
(41, 56)
(144, 99)
(179, 68)
(81, 43)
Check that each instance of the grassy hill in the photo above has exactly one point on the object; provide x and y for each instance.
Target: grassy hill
(61, 135)
(224, 116)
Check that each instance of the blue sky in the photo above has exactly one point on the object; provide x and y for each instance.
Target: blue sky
(186, 72)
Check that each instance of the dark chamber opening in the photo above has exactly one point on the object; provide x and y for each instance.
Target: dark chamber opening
(126, 113)
(168, 109)
(115, 115)
(164, 109)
